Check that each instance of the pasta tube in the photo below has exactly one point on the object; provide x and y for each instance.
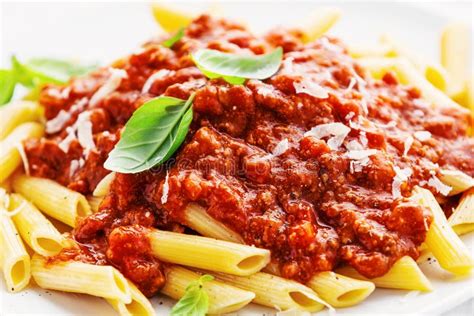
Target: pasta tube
(10, 157)
(16, 114)
(339, 290)
(199, 220)
(433, 72)
(457, 180)
(52, 198)
(454, 52)
(94, 202)
(363, 51)
(103, 186)
(207, 253)
(443, 242)
(274, 291)
(408, 74)
(79, 277)
(35, 229)
(462, 219)
(139, 306)
(404, 274)
(319, 22)
(348, 291)
(15, 261)
(223, 298)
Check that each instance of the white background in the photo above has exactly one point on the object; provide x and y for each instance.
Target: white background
(99, 31)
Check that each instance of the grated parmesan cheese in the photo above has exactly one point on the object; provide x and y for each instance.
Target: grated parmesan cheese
(73, 167)
(407, 145)
(281, 148)
(418, 113)
(388, 125)
(349, 116)
(351, 85)
(166, 188)
(265, 90)
(71, 135)
(339, 132)
(439, 186)
(56, 124)
(363, 138)
(360, 154)
(114, 81)
(401, 176)
(84, 132)
(288, 64)
(157, 75)
(422, 135)
(311, 88)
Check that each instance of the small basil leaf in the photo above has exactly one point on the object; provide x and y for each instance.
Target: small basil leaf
(152, 134)
(39, 71)
(236, 68)
(195, 301)
(61, 70)
(7, 86)
(22, 74)
(174, 39)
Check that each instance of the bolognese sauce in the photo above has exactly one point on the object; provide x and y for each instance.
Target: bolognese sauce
(316, 163)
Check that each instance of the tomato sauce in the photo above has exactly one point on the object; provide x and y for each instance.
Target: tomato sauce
(250, 161)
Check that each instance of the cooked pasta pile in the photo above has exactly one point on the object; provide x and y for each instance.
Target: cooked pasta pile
(221, 168)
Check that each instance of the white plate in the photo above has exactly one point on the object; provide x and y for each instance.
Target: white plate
(103, 32)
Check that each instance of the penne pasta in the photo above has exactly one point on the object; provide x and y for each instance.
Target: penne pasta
(462, 219)
(139, 306)
(35, 229)
(94, 202)
(103, 186)
(433, 72)
(14, 260)
(441, 240)
(10, 156)
(455, 56)
(319, 22)
(404, 274)
(339, 290)
(457, 180)
(364, 51)
(207, 253)
(59, 202)
(223, 298)
(408, 74)
(17, 113)
(274, 291)
(79, 277)
(199, 220)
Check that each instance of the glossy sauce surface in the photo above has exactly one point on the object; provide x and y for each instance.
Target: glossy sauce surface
(249, 160)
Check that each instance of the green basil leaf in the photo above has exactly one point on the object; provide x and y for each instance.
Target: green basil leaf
(153, 133)
(235, 69)
(174, 39)
(7, 86)
(61, 70)
(195, 301)
(179, 133)
(39, 71)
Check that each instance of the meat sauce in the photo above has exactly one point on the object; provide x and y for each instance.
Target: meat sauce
(311, 203)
